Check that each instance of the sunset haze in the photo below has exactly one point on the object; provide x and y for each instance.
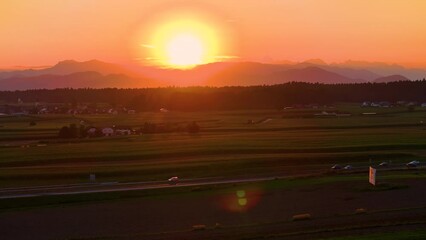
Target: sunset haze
(44, 32)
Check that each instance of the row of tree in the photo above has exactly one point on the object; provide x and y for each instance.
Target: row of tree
(73, 131)
(227, 98)
(81, 131)
(191, 127)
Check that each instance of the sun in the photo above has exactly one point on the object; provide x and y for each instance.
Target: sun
(184, 43)
(185, 50)
(184, 37)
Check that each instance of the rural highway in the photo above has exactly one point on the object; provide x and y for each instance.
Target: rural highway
(102, 187)
(22, 192)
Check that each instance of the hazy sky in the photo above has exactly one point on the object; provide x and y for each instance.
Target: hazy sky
(42, 32)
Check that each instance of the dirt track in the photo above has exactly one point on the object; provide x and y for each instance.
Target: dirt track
(264, 213)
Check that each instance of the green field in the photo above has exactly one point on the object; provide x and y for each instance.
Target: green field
(283, 142)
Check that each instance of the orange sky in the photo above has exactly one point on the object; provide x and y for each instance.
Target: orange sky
(44, 32)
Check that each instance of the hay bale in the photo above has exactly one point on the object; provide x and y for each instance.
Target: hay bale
(304, 216)
(199, 227)
(360, 211)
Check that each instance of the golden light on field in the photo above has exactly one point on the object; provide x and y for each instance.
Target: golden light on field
(184, 43)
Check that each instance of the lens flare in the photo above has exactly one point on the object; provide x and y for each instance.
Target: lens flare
(241, 200)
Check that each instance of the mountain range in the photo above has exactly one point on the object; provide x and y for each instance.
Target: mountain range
(98, 74)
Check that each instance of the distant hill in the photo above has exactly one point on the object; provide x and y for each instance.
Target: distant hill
(316, 61)
(69, 67)
(313, 75)
(391, 78)
(75, 80)
(259, 74)
(245, 74)
(98, 74)
(384, 69)
(353, 73)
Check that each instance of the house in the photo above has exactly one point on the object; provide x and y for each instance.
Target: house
(365, 104)
(423, 105)
(113, 111)
(43, 111)
(92, 132)
(385, 104)
(401, 103)
(107, 132)
(131, 112)
(343, 114)
(123, 131)
(163, 110)
(325, 114)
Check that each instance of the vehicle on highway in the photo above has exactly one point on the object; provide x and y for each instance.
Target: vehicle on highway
(348, 167)
(412, 164)
(173, 180)
(336, 167)
(384, 164)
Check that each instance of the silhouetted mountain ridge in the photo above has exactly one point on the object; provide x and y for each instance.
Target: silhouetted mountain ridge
(391, 78)
(89, 79)
(97, 74)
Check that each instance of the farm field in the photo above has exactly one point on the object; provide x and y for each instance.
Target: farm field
(279, 142)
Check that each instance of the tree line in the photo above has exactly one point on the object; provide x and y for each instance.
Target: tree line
(82, 131)
(226, 98)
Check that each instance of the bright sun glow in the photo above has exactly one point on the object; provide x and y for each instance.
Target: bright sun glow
(184, 43)
(185, 50)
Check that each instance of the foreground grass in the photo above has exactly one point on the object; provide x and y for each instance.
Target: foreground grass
(402, 235)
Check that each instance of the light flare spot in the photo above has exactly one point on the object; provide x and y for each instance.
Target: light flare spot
(241, 193)
(242, 201)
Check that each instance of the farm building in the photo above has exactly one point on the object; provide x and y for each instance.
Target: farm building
(107, 132)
